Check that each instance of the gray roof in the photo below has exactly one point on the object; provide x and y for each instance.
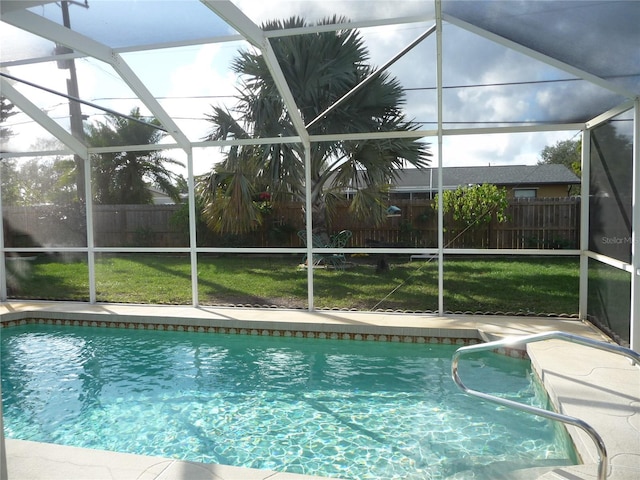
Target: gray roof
(501, 175)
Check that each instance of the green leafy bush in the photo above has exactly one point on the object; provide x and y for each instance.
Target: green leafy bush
(472, 208)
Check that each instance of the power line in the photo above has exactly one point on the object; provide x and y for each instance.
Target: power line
(509, 84)
(497, 84)
(486, 122)
(84, 102)
(181, 97)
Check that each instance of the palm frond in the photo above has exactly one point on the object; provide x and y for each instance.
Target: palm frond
(123, 177)
(368, 204)
(227, 195)
(226, 127)
(320, 68)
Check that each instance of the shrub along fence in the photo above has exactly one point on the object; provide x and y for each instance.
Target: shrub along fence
(544, 223)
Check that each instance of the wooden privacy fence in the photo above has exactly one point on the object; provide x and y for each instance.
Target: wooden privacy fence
(114, 225)
(138, 225)
(542, 223)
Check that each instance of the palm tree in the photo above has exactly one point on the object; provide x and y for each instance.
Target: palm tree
(319, 68)
(6, 111)
(124, 177)
(8, 169)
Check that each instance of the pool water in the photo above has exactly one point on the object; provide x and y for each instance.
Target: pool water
(344, 409)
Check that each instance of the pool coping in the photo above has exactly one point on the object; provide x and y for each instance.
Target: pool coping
(333, 324)
(618, 421)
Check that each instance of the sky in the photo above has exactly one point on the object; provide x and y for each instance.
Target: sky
(188, 80)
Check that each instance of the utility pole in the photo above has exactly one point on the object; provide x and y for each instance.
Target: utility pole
(75, 113)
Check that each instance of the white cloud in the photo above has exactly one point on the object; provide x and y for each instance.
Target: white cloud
(354, 10)
(204, 75)
(499, 148)
(207, 75)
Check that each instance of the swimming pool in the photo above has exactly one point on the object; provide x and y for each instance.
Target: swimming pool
(342, 409)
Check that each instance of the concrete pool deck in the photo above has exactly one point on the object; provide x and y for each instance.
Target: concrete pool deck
(601, 388)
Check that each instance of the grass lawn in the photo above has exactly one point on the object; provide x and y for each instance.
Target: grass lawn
(543, 285)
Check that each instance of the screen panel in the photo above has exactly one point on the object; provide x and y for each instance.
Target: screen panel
(40, 203)
(252, 280)
(146, 278)
(609, 300)
(121, 24)
(510, 285)
(610, 188)
(58, 276)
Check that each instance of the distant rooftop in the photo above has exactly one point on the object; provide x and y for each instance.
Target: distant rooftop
(502, 175)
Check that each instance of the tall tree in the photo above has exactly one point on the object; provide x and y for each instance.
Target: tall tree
(563, 152)
(43, 180)
(6, 111)
(125, 176)
(319, 68)
(7, 166)
(567, 153)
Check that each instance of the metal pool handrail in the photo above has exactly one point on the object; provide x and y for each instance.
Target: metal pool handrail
(576, 422)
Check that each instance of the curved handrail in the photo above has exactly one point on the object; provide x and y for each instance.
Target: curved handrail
(576, 422)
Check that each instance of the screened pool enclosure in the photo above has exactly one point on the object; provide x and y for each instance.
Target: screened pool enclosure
(183, 152)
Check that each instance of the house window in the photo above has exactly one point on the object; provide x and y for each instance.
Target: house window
(422, 196)
(399, 196)
(525, 192)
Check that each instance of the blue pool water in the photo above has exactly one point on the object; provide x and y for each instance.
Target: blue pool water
(345, 409)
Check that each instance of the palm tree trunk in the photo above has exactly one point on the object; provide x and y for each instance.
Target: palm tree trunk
(320, 225)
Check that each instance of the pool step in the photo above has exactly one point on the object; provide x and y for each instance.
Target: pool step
(510, 470)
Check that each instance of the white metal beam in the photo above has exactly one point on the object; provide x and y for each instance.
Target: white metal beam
(584, 224)
(548, 127)
(608, 115)
(612, 262)
(91, 244)
(601, 82)
(308, 215)
(42, 27)
(331, 27)
(254, 34)
(38, 153)
(127, 49)
(231, 14)
(193, 239)
(634, 327)
(3, 298)
(7, 6)
(324, 138)
(343, 137)
(247, 141)
(438, 4)
(30, 109)
(150, 101)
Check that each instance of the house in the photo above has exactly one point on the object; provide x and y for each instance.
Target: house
(162, 198)
(521, 181)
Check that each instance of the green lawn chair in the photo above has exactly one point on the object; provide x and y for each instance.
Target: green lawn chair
(339, 240)
(316, 243)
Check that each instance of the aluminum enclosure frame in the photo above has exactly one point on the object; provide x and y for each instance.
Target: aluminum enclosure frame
(83, 45)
